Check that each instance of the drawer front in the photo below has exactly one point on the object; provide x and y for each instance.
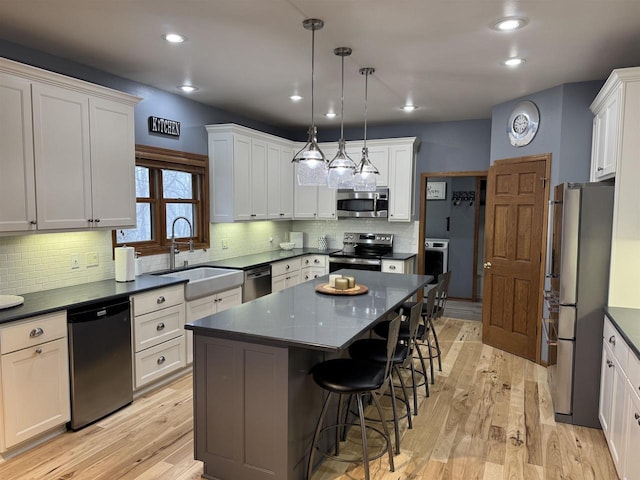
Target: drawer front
(158, 361)
(34, 331)
(311, 273)
(157, 299)
(280, 268)
(616, 343)
(393, 266)
(314, 261)
(157, 327)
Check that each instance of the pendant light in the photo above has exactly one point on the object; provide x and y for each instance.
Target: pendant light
(312, 164)
(365, 178)
(341, 168)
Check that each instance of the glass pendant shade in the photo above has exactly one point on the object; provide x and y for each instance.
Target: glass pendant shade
(311, 169)
(312, 164)
(364, 179)
(341, 169)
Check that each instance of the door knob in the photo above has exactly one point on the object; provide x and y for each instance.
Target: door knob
(487, 265)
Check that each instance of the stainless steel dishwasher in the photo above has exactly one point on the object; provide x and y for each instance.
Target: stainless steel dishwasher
(100, 360)
(257, 283)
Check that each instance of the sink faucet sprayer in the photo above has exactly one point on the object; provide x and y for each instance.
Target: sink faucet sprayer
(174, 245)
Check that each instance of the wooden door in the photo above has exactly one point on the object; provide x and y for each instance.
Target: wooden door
(516, 204)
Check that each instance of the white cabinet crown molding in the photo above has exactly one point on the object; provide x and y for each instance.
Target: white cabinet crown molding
(44, 76)
(235, 128)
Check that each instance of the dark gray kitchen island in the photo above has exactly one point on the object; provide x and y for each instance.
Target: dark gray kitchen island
(255, 404)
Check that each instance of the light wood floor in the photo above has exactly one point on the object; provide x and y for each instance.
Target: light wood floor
(489, 417)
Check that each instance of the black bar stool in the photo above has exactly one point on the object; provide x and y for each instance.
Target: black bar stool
(348, 376)
(374, 350)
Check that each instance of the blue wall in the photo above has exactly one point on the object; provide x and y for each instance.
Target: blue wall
(565, 130)
(192, 115)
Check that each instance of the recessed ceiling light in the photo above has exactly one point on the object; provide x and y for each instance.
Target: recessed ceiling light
(409, 108)
(513, 62)
(188, 88)
(330, 115)
(174, 37)
(509, 24)
(295, 98)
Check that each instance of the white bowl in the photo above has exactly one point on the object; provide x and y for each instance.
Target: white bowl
(287, 245)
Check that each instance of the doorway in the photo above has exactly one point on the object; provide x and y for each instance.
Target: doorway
(452, 215)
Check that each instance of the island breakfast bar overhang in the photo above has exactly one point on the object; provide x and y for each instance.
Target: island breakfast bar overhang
(255, 403)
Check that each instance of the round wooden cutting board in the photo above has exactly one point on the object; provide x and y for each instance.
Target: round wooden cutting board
(357, 290)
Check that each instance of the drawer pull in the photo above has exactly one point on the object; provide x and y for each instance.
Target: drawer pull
(160, 300)
(392, 267)
(316, 261)
(637, 416)
(600, 169)
(612, 339)
(160, 326)
(36, 332)
(39, 351)
(161, 359)
(609, 363)
(288, 267)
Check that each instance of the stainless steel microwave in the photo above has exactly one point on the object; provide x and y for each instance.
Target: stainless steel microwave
(352, 204)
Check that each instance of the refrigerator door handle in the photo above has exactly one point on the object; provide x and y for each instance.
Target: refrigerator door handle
(570, 237)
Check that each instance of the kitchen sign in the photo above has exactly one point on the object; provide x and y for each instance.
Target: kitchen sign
(163, 126)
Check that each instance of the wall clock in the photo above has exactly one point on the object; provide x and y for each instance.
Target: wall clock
(523, 123)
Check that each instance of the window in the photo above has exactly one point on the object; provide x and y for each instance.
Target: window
(169, 185)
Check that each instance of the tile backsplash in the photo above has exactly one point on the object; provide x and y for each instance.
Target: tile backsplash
(32, 263)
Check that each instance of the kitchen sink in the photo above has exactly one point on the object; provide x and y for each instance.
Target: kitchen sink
(203, 281)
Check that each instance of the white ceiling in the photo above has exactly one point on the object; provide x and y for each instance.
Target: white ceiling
(248, 56)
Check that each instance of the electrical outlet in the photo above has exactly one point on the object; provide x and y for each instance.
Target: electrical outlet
(92, 259)
(225, 244)
(75, 261)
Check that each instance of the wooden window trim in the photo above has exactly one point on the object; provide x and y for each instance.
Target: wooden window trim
(159, 158)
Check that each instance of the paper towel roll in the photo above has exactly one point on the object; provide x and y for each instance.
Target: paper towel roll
(125, 264)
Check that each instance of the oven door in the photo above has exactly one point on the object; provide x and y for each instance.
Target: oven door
(371, 264)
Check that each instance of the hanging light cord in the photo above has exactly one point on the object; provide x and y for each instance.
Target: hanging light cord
(313, 54)
(366, 85)
(342, 104)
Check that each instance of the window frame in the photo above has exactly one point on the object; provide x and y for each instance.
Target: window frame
(156, 159)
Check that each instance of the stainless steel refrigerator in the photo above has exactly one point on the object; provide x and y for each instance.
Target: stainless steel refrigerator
(579, 279)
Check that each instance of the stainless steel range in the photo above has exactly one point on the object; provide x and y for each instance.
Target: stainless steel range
(362, 251)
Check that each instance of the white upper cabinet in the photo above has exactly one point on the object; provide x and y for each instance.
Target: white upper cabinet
(279, 181)
(241, 174)
(69, 156)
(606, 134)
(17, 180)
(401, 180)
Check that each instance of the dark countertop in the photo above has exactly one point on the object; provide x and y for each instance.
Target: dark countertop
(627, 322)
(300, 316)
(245, 262)
(47, 301)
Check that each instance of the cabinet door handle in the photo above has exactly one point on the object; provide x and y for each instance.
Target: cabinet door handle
(36, 332)
(97, 220)
(160, 300)
(33, 222)
(160, 326)
(600, 169)
(39, 351)
(161, 359)
(612, 340)
(609, 363)
(637, 417)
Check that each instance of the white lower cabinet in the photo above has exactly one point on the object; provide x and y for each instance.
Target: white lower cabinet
(398, 266)
(314, 266)
(202, 307)
(158, 334)
(620, 402)
(285, 274)
(34, 393)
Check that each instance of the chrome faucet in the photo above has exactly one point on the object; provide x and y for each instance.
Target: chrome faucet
(174, 245)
